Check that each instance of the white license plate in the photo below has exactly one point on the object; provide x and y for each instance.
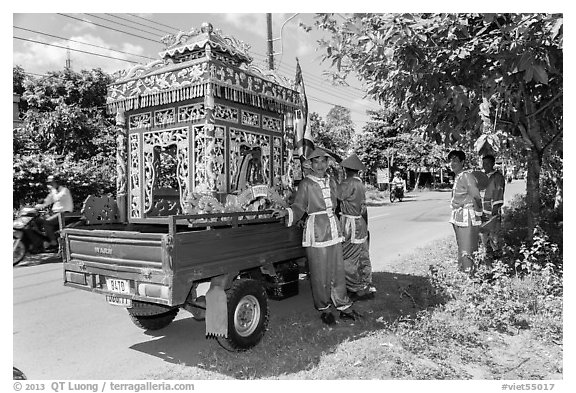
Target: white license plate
(118, 286)
(119, 301)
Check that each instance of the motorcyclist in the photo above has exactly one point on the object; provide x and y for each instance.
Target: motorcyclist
(398, 182)
(60, 199)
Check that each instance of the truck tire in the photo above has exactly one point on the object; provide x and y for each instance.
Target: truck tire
(150, 316)
(247, 315)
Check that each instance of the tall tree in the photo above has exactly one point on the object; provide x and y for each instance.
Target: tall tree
(384, 143)
(337, 132)
(457, 76)
(66, 130)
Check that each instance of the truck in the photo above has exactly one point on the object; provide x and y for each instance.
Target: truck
(205, 153)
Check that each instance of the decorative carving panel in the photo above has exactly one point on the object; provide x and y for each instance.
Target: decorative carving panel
(248, 150)
(141, 120)
(191, 112)
(226, 113)
(277, 161)
(271, 124)
(135, 199)
(251, 119)
(160, 139)
(164, 116)
(209, 159)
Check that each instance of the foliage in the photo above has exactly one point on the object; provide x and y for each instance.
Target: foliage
(18, 77)
(459, 75)
(66, 131)
(336, 133)
(547, 244)
(383, 142)
(96, 175)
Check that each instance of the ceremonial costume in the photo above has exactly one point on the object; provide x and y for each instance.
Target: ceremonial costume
(322, 239)
(491, 205)
(466, 216)
(352, 196)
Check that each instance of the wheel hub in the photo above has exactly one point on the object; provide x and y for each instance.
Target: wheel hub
(247, 315)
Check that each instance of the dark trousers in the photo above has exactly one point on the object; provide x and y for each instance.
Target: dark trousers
(52, 225)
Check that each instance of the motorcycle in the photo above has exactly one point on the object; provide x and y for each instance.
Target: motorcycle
(29, 235)
(397, 193)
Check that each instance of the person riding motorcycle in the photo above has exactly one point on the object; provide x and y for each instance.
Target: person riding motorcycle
(398, 184)
(60, 199)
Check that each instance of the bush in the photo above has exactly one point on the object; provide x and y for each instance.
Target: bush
(96, 176)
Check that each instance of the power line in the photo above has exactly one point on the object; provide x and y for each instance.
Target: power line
(310, 76)
(125, 32)
(121, 24)
(83, 43)
(153, 21)
(107, 27)
(139, 24)
(75, 50)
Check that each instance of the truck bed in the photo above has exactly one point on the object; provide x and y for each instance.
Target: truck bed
(159, 263)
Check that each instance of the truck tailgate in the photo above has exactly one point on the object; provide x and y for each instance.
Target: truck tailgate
(129, 265)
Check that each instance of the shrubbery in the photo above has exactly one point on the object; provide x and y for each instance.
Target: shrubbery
(521, 290)
(96, 175)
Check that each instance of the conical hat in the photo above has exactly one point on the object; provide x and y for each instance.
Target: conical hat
(318, 152)
(353, 162)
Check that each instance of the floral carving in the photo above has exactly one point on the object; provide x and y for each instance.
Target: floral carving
(271, 124)
(191, 112)
(209, 160)
(244, 140)
(135, 199)
(223, 112)
(141, 120)
(250, 119)
(165, 116)
(178, 137)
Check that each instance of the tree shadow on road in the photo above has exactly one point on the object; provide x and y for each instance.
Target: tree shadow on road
(39, 259)
(296, 338)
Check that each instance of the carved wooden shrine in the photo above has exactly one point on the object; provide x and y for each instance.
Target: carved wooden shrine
(201, 130)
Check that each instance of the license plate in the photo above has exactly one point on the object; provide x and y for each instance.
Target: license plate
(119, 301)
(118, 286)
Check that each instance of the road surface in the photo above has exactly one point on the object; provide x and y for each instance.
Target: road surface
(63, 333)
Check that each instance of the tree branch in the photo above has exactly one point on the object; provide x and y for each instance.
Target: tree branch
(553, 139)
(546, 105)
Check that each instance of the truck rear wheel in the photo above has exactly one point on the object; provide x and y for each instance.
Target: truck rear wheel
(247, 315)
(151, 316)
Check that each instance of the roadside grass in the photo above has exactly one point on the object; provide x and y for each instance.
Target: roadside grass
(375, 197)
(428, 321)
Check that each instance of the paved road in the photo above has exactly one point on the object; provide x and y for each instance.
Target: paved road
(422, 217)
(62, 333)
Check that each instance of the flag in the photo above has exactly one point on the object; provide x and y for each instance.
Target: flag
(304, 140)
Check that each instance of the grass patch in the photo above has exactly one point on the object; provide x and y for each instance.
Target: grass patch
(428, 321)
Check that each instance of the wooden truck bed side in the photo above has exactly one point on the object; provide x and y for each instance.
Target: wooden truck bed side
(161, 267)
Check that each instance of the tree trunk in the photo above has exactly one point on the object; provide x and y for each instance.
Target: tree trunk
(533, 191)
(417, 180)
(558, 200)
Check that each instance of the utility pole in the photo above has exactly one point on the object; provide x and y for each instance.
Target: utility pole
(68, 60)
(270, 42)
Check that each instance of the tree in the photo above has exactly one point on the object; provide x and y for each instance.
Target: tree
(337, 133)
(65, 131)
(457, 76)
(383, 142)
(18, 77)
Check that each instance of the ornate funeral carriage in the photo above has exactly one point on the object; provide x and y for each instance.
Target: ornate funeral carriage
(204, 150)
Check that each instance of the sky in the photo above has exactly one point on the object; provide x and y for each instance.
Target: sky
(115, 41)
